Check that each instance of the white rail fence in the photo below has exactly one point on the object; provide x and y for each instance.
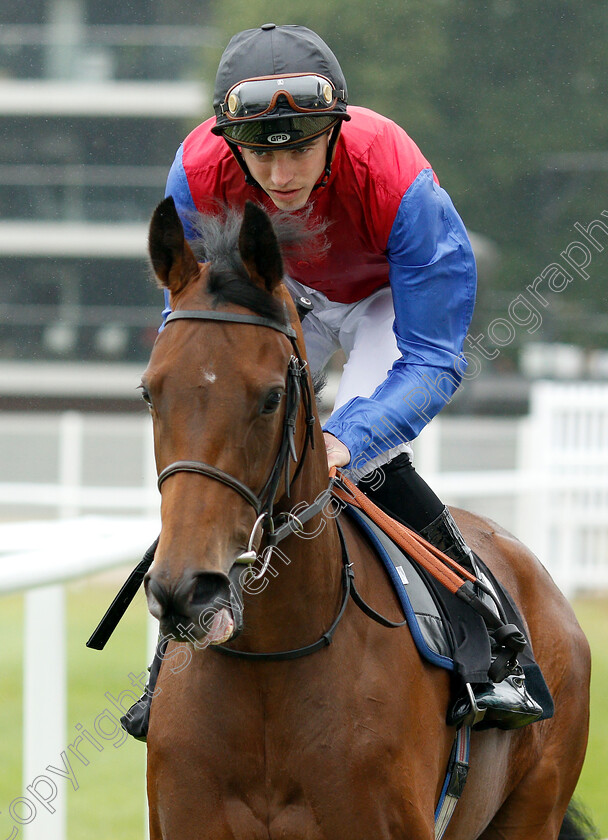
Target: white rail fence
(90, 483)
(39, 559)
(65, 468)
(557, 486)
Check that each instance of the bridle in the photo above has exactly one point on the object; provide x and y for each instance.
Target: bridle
(273, 528)
(277, 528)
(297, 390)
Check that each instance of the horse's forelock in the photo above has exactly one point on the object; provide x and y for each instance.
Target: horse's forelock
(216, 239)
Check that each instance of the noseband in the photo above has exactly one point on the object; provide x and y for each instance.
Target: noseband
(297, 388)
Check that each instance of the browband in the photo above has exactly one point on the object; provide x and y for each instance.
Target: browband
(231, 317)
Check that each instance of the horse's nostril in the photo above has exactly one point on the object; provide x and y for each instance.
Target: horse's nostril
(210, 587)
(193, 600)
(157, 595)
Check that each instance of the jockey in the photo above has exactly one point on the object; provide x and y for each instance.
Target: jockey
(395, 290)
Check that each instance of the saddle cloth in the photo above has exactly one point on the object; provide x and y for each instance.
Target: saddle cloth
(425, 611)
(431, 634)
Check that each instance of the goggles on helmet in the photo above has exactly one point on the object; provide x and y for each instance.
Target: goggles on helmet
(305, 93)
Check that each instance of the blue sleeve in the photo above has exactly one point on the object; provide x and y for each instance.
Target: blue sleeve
(433, 280)
(178, 187)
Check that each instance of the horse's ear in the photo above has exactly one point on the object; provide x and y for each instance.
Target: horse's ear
(172, 259)
(259, 248)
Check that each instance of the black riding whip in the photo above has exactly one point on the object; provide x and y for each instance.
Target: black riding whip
(119, 605)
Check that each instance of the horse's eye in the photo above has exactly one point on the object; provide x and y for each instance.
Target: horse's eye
(272, 402)
(145, 396)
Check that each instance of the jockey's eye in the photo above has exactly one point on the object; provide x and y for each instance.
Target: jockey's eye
(272, 401)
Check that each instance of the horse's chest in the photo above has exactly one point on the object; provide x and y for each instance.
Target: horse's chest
(313, 781)
(296, 757)
(296, 778)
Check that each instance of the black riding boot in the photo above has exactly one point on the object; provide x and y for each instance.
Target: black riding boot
(444, 534)
(409, 499)
(506, 704)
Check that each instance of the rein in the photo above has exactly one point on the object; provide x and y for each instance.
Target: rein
(348, 590)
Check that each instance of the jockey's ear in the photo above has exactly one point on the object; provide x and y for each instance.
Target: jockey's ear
(172, 259)
(259, 248)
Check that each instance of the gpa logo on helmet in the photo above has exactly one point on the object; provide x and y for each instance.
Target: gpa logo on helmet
(278, 138)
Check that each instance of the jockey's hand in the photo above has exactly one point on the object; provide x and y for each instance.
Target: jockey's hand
(338, 454)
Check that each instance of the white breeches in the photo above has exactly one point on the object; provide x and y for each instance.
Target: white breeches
(364, 331)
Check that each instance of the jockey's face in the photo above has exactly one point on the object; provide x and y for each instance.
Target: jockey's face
(288, 175)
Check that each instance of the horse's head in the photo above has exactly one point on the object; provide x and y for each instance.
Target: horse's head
(223, 386)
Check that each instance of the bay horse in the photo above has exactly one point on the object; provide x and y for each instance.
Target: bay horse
(349, 742)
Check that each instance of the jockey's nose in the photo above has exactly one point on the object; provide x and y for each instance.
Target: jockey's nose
(193, 600)
(281, 170)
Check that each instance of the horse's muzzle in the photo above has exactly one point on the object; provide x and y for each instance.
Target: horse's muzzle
(201, 607)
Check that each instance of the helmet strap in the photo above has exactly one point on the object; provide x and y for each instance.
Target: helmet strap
(249, 179)
(331, 146)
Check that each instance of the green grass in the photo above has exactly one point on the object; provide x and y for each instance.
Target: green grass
(593, 784)
(110, 799)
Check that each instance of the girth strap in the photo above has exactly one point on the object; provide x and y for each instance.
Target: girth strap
(456, 776)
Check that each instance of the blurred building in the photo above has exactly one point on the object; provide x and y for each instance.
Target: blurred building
(95, 97)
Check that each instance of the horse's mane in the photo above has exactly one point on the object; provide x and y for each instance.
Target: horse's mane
(216, 238)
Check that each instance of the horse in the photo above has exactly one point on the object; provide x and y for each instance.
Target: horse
(350, 741)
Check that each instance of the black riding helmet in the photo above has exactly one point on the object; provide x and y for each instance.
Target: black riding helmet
(278, 87)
